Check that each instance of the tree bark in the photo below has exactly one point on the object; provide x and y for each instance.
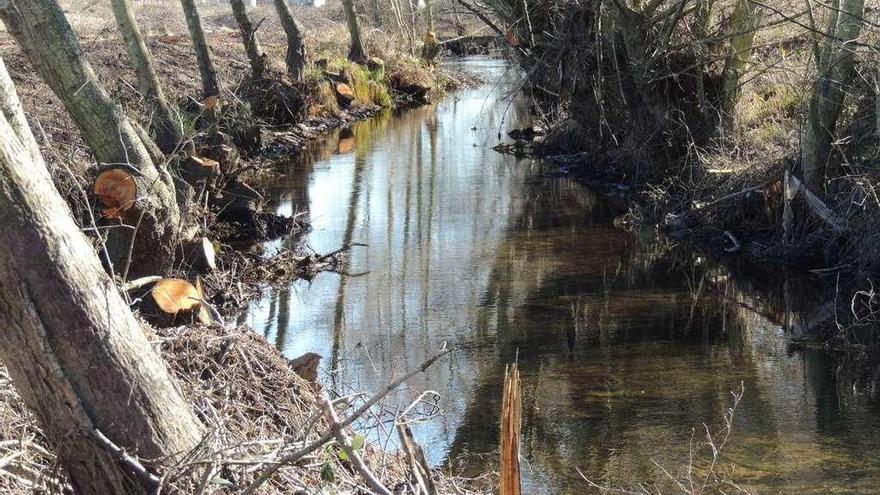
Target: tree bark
(430, 48)
(356, 51)
(210, 82)
(743, 24)
(43, 33)
(296, 49)
(165, 125)
(835, 70)
(76, 354)
(252, 47)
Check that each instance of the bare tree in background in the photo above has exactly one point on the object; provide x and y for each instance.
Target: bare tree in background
(76, 354)
(146, 243)
(431, 48)
(356, 51)
(296, 49)
(743, 24)
(256, 56)
(835, 71)
(207, 70)
(165, 124)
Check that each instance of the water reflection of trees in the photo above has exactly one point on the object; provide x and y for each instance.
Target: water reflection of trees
(633, 342)
(624, 342)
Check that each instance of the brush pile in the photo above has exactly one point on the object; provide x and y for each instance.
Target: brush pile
(256, 409)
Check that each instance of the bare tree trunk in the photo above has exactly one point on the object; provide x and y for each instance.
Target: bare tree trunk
(210, 82)
(702, 17)
(377, 13)
(634, 31)
(356, 51)
(167, 128)
(76, 354)
(835, 69)
(255, 53)
(296, 49)
(430, 48)
(743, 24)
(46, 38)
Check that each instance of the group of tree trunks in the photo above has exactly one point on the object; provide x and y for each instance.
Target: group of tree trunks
(74, 350)
(76, 353)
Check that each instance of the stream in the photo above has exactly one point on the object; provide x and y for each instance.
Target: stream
(627, 346)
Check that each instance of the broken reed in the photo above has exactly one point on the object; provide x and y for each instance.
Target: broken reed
(511, 413)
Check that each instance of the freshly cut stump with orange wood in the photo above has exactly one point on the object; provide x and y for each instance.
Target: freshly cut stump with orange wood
(344, 94)
(171, 300)
(116, 190)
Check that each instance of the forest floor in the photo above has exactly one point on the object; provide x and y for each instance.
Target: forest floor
(253, 401)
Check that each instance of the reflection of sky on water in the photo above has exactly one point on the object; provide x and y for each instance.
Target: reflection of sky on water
(625, 346)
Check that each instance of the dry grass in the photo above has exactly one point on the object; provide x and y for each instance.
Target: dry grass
(255, 409)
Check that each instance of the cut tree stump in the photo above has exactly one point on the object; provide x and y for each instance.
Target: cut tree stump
(375, 64)
(117, 191)
(171, 301)
(201, 255)
(198, 168)
(344, 94)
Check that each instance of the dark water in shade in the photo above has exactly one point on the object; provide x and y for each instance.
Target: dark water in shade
(626, 345)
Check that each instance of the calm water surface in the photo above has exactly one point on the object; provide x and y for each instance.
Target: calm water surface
(626, 345)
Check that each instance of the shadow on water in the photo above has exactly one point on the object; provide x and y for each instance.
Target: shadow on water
(626, 345)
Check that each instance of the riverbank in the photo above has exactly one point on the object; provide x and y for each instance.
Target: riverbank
(625, 341)
(705, 141)
(252, 400)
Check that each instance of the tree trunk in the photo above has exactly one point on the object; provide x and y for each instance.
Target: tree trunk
(356, 52)
(743, 24)
(252, 47)
(167, 128)
(210, 83)
(634, 31)
(377, 13)
(76, 354)
(430, 49)
(43, 33)
(296, 49)
(835, 70)
(702, 17)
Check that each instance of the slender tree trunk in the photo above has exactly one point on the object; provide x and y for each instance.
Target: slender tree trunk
(252, 47)
(835, 70)
(377, 13)
(76, 354)
(634, 32)
(702, 17)
(42, 32)
(165, 125)
(296, 49)
(743, 24)
(210, 82)
(356, 51)
(430, 48)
